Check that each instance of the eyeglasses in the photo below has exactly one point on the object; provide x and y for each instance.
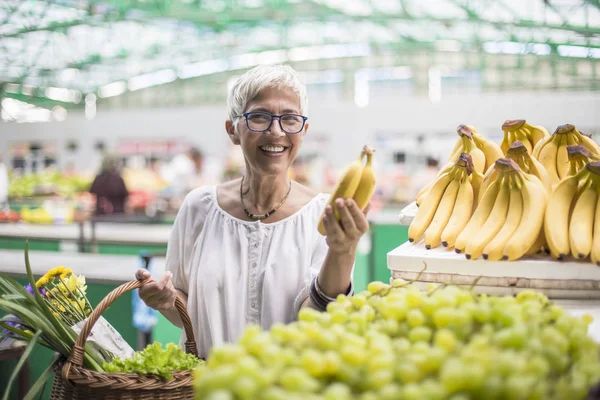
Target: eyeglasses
(258, 121)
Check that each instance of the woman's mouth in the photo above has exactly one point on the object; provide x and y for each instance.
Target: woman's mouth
(273, 151)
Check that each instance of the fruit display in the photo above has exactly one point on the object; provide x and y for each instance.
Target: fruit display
(552, 152)
(358, 183)
(9, 216)
(519, 129)
(447, 206)
(46, 183)
(401, 343)
(572, 222)
(36, 216)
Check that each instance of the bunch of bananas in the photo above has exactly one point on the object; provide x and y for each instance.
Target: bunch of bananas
(358, 183)
(518, 153)
(508, 221)
(579, 156)
(552, 152)
(519, 129)
(572, 222)
(482, 152)
(448, 206)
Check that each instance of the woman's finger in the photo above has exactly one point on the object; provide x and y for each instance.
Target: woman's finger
(367, 209)
(332, 227)
(346, 217)
(142, 274)
(362, 225)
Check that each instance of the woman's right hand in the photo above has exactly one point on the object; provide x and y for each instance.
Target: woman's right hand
(159, 295)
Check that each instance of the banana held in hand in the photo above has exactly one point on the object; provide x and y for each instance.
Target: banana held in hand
(350, 185)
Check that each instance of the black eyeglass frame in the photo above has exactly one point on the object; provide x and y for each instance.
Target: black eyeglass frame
(273, 116)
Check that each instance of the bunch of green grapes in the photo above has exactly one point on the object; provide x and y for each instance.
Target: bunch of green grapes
(402, 343)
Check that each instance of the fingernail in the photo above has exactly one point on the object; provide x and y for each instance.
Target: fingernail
(339, 202)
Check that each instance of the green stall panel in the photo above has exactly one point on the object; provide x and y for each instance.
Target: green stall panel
(131, 249)
(11, 243)
(119, 315)
(384, 238)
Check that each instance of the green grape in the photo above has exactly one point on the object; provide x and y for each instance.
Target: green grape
(308, 314)
(397, 311)
(518, 387)
(358, 301)
(332, 362)
(420, 334)
(401, 345)
(482, 313)
(274, 393)
(514, 337)
(429, 305)
(443, 317)
(337, 391)
(414, 299)
(220, 395)
(415, 317)
(399, 282)
(297, 380)
(552, 337)
(312, 362)
(378, 379)
(445, 339)
(245, 387)
(412, 391)
(353, 355)
(434, 360)
(408, 372)
(377, 286)
(538, 366)
(381, 362)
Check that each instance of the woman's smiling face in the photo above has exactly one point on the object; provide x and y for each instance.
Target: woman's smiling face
(273, 151)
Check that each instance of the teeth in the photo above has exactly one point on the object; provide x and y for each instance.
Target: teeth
(272, 149)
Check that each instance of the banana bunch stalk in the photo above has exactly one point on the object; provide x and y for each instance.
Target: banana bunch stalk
(358, 183)
(552, 151)
(572, 221)
(579, 156)
(518, 153)
(447, 208)
(519, 129)
(508, 221)
(482, 151)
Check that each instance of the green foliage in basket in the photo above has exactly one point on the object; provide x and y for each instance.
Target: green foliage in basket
(155, 360)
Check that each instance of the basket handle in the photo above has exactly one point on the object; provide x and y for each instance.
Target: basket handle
(76, 357)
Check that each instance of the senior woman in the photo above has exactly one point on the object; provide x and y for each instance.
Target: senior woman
(248, 251)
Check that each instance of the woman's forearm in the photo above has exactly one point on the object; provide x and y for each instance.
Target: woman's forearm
(173, 315)
(336, 273)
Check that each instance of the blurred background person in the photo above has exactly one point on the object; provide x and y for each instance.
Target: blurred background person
(184, 172)
(109, 188)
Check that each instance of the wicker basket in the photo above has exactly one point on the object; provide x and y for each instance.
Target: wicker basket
(73, 381)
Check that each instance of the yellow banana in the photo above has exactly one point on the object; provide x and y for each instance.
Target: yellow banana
(433, 234)
(366, 186)
(579, 156)
(596, 243)
(490, 150)
(584, 140)
(492, 225)
(562, 157)
(345, 188)
(556, 220)
(522, 136)
(479, 217)
(537, 133)
(477, 155)
(428, 207)
(463, 208)
(476, 181)
(547, 158)
(493, 250)
(581, 226)
(488, 179)
(425, 189)
(519, 154)
(532, 220)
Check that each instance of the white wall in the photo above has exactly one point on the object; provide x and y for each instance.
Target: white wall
(344, 126)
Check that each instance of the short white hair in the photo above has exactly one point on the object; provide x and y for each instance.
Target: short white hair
(252, 82)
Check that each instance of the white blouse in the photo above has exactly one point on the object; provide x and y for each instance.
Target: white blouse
(237, 272)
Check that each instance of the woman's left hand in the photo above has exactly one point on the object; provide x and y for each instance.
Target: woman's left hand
(343, 235)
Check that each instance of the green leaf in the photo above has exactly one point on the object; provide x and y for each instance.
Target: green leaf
(41, 381)
(20, 364)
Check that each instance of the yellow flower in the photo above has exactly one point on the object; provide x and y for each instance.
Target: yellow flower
(41, 282)
(66, 273)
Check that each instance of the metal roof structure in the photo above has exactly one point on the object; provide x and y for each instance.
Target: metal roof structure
(66, 51)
